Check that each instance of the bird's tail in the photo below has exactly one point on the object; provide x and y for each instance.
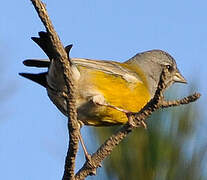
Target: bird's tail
(37, 63)
(38, 78)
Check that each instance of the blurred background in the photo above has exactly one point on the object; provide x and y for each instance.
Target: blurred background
(33, 133)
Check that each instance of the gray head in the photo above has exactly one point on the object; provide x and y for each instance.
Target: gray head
(152, 63)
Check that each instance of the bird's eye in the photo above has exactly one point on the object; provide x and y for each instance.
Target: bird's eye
(169, 67)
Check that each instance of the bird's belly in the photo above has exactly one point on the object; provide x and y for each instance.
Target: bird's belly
(116, 91)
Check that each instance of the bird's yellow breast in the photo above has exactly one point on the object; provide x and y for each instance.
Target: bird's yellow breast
(117, 91)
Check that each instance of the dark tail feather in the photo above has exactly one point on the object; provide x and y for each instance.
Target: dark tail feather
(37, 62)
(43, 62)
(67, 49)
(38, 78)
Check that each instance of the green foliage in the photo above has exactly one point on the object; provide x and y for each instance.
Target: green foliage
(162, 152)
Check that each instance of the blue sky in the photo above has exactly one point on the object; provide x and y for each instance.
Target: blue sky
(33, 133)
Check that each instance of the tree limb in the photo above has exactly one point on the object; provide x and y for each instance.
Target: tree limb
(52, 46)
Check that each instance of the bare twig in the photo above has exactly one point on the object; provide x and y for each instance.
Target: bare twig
(53, 47)
(183, 101)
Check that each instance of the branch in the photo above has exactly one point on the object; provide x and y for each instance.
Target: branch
(183, 101)
(52, 46)
(89, 168)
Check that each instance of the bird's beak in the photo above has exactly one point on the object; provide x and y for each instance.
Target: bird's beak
(179, 78)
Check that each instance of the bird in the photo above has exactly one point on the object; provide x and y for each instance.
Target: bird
(107, 90)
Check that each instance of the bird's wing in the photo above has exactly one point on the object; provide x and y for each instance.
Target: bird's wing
(109, 67)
